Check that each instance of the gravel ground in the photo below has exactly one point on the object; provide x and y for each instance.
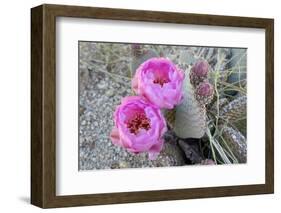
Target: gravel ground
(102, 86)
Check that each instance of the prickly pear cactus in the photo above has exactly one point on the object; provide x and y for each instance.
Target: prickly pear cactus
(190, 115)
(237, 143)
(235, 110)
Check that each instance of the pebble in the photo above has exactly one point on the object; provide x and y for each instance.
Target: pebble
(109, 93)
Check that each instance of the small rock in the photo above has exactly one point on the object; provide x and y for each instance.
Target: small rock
(109, 93)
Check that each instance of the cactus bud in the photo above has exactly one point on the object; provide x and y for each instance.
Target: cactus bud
(138, 50)
(199, 72)
(204, 93)
(207, 162)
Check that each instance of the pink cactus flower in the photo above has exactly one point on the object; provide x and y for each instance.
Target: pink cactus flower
(160, 82)
(139, 126)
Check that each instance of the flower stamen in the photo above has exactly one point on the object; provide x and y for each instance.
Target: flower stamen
(160, 81)
(139, 121)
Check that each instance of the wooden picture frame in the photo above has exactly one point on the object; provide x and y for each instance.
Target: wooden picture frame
(43, 105)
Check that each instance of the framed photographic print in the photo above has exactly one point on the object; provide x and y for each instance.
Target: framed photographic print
(136, 106)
